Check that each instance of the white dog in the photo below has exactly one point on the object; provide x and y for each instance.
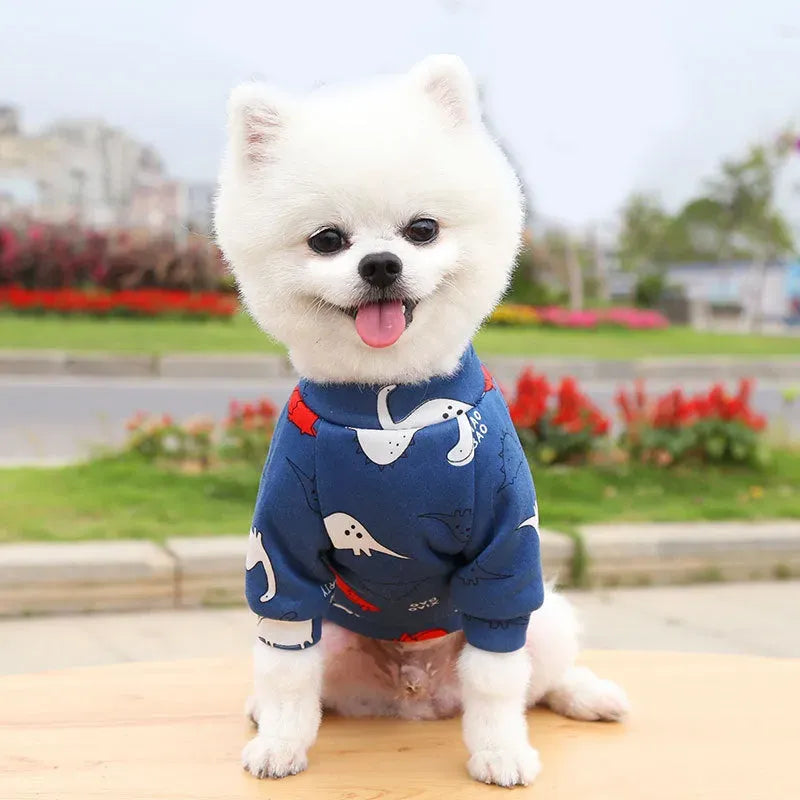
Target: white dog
(372, 230)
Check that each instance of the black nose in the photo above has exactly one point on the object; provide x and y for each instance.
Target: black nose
(380, 269)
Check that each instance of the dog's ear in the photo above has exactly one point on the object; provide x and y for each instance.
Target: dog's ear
(256, 115)
(448, 82)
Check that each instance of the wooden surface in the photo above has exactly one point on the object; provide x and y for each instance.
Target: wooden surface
(703, 726)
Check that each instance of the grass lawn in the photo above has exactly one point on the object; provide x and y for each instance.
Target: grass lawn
(241, 335)
(122, 497)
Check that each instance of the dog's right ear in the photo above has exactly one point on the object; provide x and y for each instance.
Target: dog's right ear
(256, 115)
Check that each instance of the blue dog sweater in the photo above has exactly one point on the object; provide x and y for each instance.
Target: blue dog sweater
(398, 512)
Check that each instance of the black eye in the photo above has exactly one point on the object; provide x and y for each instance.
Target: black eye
(327, 241)
(421, 230)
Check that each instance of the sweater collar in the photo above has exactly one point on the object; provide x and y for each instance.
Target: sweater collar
(367, 406)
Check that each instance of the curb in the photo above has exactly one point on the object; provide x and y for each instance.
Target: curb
(85, 576)
(663, 552)
(254, 366)
(190, 572)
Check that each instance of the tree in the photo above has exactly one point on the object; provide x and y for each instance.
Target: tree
(642, 239)
(747, 220)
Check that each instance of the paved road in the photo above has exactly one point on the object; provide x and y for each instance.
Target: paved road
(60, 419)
(753, 618)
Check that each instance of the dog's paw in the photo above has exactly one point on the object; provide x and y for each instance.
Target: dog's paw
(508, 768)
(584, 696)
(272, 758)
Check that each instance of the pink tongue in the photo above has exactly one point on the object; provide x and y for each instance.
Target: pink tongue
(381, 324)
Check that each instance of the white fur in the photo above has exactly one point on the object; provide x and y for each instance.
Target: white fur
(369, 160)
(286, 707)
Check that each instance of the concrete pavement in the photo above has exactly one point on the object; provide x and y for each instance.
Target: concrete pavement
(752, 618)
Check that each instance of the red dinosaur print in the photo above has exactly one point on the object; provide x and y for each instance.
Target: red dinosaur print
(421, 636)
(300, 414)
(353, 596)
(488, 381)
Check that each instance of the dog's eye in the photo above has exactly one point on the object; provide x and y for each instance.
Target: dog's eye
(421, 230)
(327, 241)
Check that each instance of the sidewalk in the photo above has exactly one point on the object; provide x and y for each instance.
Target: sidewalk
(754, 618)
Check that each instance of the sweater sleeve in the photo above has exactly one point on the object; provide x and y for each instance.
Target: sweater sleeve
(288, 582)
(501, 584)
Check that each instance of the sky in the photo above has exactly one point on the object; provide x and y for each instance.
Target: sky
(593, 100)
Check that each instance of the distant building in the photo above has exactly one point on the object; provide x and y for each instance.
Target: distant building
(200, 206)
(735, 288)
(85, 171)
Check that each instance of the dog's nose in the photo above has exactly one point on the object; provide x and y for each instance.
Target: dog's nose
(380, 269)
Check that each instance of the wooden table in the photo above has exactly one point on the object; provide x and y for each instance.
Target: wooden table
(703, 726)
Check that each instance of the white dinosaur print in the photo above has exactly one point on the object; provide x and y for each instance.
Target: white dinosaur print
(531, 522)
(347, 533)
(386, 444)
(285, 634)
(257, 554)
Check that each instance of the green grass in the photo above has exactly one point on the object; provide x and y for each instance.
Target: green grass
(133, 335)
(123, 497)
(241, 335)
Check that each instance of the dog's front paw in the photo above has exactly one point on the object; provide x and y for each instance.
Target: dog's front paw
(509, 768)
(265, 757)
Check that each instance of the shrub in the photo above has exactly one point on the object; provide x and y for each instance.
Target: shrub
(64, 256)
(199, 442)
(710, 427)
(649, 289)
(247, 431)
(556, 425)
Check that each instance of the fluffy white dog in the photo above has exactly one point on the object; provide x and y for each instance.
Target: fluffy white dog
(371, 230)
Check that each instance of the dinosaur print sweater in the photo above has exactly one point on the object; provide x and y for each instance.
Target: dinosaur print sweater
(398, 512)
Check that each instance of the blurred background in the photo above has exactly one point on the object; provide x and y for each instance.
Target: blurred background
(649, 345)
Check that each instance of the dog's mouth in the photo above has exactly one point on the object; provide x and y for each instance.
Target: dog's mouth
(382, 323)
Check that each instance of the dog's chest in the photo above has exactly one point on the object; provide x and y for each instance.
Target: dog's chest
(400, 517)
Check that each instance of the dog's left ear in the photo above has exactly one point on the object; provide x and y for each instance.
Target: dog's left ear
(448, 82)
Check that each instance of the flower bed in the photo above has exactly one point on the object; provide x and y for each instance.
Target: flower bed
(200, 442)
(556, 425)
(557, 317)
(131, 302)
(514, 314)
(713, 426)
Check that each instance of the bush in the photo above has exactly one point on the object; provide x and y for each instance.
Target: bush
(159, 437)
(556, 425)
(199, 442)
(57, 257)
(649, 289)
(713, 427)
(247, 431)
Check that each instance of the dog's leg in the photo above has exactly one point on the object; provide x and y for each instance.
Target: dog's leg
(582, 695)
(555, 680)
(286, 707)
(494, 687)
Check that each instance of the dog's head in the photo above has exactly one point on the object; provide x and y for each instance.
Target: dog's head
(372, 229)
